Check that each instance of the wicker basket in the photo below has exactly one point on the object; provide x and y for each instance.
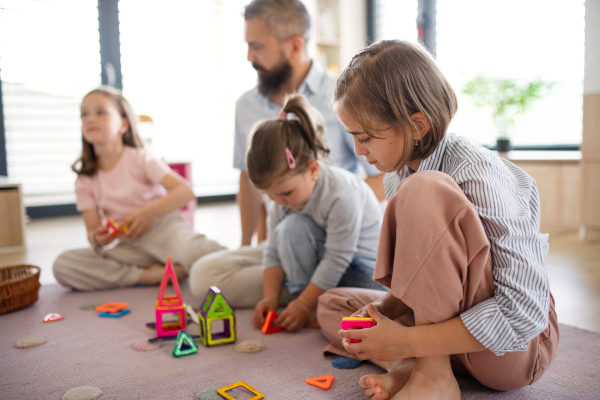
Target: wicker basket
(19, 286)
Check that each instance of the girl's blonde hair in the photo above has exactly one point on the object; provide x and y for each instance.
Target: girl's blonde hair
(266, 159)
(391, 80)
(87, 163)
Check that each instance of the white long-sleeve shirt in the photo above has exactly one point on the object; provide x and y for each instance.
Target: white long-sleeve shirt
(508, 204)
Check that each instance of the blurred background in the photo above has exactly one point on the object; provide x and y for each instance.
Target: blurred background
(183, 64)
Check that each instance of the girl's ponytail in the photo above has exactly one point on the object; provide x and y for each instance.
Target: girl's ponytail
(298, 132)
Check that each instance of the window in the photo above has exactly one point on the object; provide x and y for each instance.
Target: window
(396, 19)
(49, 58)
(520, 40)
(185, 66)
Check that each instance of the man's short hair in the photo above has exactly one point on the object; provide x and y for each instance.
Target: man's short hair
(283, 18)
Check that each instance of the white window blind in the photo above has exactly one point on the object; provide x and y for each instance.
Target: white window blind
(516, 39)
(185, 66)
(49, 58)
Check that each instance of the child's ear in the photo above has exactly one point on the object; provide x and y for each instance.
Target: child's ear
(124, 125)
(422, 124)
(314, 169)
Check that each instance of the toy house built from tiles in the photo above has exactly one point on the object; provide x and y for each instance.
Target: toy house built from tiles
(216, 319)
(169, 305)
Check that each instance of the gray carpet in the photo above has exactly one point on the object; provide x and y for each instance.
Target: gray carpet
(86, 350)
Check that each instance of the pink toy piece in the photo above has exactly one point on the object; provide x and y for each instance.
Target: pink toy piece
(53, 317)
(169, 304)
(169, 328)
(171, 301)
(357, 323)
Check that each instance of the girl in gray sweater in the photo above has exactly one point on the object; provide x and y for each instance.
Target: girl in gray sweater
(323, 228)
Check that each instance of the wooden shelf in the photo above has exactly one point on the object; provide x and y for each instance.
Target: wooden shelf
(333, 42)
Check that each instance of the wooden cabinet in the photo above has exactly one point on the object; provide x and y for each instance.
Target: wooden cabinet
(559, 182)
(12, 217)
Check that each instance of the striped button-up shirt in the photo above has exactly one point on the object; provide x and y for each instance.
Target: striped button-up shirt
(508, 204)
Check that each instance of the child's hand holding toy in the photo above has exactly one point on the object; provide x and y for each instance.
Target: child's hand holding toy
(295, 315)
(261, 309)
(382, 342)
(101, 236)
(137, 223)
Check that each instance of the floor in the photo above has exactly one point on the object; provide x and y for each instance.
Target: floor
(573, 265)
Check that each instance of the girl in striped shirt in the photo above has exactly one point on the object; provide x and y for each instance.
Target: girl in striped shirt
(460, 247)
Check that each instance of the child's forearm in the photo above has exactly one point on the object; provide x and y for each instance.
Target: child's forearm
(178, 197)
(272, 283)
(310, 296)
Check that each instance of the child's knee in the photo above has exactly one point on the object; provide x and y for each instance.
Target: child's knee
(201, 274)
(296, 227)
(64, 267)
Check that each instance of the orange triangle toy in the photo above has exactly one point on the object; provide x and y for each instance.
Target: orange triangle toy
(269, 321)
(323, 382)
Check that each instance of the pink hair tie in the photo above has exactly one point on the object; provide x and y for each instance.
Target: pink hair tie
(290, 158)
(282, 116)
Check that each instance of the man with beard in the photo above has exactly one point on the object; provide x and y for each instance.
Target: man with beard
(276, 32)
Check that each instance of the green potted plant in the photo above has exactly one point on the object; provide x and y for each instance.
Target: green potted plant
(507, 98)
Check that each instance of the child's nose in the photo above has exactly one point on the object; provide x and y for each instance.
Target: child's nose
(360, 150)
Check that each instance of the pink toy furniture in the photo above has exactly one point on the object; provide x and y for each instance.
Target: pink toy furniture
(357, 323)
(185, 170)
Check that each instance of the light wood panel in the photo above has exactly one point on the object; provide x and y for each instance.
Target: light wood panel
(590, 143)
(559, 186)
(10, 215)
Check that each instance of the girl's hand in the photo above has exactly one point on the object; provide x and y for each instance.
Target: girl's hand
(295, 316)
(364, 313)
(100, 236)
(261, 309)
(137, 222)
(383, 342)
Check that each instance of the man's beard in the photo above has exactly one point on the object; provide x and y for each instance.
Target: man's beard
(269, 82)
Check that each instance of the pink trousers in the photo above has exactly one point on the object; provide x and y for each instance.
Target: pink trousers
(434, 255)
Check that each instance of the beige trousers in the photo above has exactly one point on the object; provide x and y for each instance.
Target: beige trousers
(237, 273)
(434, 255)
(122, 264)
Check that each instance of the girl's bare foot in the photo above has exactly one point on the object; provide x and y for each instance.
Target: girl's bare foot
(152, 275)
(384, 387)
(424, 385)
(180, 272)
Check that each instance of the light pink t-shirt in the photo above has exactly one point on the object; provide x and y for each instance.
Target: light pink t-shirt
(129, 185)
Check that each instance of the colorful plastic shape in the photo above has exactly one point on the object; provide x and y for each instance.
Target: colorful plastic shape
(216, 310)
(169, 305)
(113, 229)
(152, 325)
(114, 315)
(53, 317)
(167, 338)
(269, 321)
(357, 323)
(183, 337)
(323, 382)
(111, 307)
(223, 391)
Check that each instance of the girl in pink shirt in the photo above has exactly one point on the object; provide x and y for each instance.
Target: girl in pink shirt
(118, 179)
